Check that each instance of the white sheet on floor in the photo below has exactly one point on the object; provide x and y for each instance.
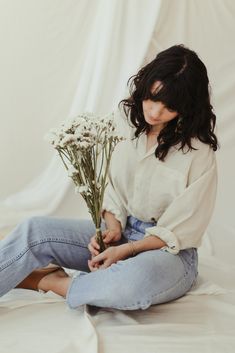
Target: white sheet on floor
(199, 321)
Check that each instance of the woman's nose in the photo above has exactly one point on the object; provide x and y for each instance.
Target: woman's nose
(156, 108)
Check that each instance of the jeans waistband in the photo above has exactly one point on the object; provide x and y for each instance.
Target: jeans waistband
(139, 225)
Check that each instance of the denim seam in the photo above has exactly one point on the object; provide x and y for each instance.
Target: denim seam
(33, 244)
(60, 239)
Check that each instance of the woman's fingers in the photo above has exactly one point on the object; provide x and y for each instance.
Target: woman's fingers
(98, 258)
(111, 235)
(93, 246)
(92, 267)
(93, 251)
(94, 243)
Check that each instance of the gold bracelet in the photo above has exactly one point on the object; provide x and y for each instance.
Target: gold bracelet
(132, 247)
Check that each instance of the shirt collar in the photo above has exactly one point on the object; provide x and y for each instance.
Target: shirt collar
(140, 145)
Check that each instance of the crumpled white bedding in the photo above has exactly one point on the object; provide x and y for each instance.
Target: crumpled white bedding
(202, 320)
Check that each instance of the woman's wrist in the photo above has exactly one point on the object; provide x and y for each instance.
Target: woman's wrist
(132, 248)
(126, 250)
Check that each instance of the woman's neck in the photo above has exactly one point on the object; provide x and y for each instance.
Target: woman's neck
(157, 129)
(153, 133)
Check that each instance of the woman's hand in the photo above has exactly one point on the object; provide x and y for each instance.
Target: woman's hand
(109, 256)
(109, 236)
(93, 246)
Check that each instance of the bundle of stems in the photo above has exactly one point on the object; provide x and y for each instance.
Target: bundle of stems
(85, 145)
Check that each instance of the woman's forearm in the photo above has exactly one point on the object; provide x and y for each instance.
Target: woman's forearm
(111, 221)
(148, 243)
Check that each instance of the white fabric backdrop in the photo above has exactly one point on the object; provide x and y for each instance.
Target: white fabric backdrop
(106, 35)
(203, 320)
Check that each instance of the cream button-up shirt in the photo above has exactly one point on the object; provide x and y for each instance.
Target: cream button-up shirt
(178, 193)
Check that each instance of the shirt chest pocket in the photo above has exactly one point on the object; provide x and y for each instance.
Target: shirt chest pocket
(165, 185)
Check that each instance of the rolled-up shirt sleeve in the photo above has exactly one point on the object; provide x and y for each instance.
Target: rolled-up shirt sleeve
(184, 222)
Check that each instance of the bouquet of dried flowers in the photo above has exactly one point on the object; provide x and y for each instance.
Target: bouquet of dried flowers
(85, 145)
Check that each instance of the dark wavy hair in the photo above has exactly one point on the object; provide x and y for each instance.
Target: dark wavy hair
(185, 89)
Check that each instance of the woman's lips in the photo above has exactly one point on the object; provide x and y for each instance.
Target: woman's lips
(155, 120)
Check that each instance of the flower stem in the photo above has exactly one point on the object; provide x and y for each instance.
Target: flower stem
(99, 239)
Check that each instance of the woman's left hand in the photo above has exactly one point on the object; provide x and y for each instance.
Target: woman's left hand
(109, 256)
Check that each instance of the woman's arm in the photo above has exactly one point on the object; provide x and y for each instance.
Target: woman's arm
(151, 242)
(115, 253)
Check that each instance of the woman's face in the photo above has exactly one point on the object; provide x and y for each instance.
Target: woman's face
(155, 113)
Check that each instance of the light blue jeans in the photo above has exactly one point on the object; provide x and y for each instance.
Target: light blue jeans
(151, 277)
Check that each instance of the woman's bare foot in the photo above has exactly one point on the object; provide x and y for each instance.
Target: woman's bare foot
(57, 282)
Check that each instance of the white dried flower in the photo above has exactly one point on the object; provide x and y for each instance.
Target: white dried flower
(81, 188)
(85, 144)
(66, 126)
(72, 171)
(68, 139)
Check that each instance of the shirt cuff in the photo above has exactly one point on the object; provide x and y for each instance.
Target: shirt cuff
(117, 213)
(167, 236)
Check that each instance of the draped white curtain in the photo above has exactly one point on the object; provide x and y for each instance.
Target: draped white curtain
(52, 41)
(112, 38)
